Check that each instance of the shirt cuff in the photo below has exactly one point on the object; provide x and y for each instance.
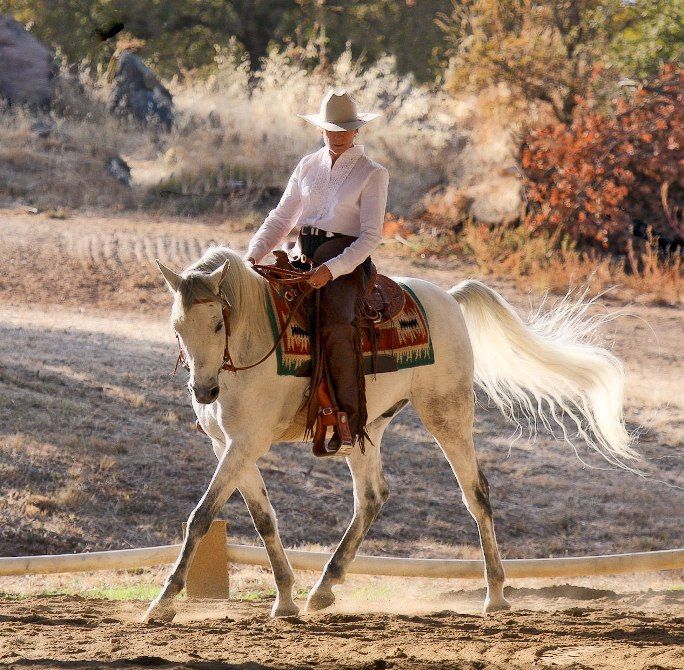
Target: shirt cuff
(255, 252)
(336, 268)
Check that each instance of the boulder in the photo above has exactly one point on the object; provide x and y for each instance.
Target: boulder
(43, 128)
(27, 67)
(138, 92)
(497, 198)
(120, 170)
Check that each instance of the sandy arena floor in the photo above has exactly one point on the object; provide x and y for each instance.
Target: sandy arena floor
(549, 628)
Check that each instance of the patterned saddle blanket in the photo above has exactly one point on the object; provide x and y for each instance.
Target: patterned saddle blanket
(402, 342)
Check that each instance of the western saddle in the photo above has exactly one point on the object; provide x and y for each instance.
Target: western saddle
(382, 301)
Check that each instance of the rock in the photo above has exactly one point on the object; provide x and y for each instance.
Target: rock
(139, 93)
(43, 128)
(495, 199)
(120, 170)
(28, 68)
(443, 201)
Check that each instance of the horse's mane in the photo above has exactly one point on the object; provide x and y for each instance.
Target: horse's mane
(242, 287)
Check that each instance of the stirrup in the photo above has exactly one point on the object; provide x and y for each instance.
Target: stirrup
(340, 452)
(346, 446)
(338, 419)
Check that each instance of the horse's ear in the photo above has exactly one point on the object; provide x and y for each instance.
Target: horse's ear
(217, 276)
(172, 279)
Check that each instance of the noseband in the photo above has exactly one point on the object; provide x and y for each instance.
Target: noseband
(280, 276)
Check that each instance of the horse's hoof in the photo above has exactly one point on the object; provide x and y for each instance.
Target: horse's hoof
(319, 600)
(157, 613)
(284, 610)
(496, 605)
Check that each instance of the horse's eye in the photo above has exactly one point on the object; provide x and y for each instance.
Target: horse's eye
(219, 325)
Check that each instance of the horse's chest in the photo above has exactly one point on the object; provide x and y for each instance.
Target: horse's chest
(208, 420)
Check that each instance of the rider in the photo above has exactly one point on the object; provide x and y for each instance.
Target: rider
(337, 196)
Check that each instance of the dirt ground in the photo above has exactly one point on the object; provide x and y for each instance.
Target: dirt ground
(550, 628)
(98, 451)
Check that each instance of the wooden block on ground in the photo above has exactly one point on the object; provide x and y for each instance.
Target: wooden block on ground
(208, 572)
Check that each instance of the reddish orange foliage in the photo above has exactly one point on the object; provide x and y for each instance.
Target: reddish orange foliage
(607, 174)
(395, 225)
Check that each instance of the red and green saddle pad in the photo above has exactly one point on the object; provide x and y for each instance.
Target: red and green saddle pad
(403, 342)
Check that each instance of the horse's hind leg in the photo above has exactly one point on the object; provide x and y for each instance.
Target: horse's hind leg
(253, 490)
(370, 493)
(449, 417)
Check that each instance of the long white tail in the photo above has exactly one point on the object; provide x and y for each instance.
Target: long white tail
(546, 365)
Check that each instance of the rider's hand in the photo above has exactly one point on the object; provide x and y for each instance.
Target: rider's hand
(248, 260)
(319, 277)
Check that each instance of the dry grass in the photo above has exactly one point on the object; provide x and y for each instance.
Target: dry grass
(236, 139)
(543, 263)
(67, 169)
(651, 274)
(233, 130)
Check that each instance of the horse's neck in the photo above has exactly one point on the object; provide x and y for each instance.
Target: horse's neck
(251, 335)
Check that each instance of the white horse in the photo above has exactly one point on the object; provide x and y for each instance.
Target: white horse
(541, 367)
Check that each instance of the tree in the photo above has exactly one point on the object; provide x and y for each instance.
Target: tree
(546, 50)
(172, 33)
(653, 36)
(405, 28)
(183, 34)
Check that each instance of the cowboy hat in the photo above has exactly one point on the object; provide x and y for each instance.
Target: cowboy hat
(338, 112)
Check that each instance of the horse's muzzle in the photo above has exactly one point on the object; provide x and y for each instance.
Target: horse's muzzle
(205, 395)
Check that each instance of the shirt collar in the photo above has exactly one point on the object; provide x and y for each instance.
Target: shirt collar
(352, 152)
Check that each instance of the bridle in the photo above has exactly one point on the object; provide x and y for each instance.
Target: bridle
(226, 311)
(274, 275)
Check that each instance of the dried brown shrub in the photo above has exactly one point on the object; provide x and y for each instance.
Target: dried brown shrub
(608, 175)
(557, 265)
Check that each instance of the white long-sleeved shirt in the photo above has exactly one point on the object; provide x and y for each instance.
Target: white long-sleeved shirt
(348, 197)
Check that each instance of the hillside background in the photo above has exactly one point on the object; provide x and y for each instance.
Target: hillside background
(541, 140)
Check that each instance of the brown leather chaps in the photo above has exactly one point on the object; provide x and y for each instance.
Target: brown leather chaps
(340, 336)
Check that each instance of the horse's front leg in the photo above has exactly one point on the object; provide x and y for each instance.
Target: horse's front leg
(370, 493)
(234, 462)
(253, 490)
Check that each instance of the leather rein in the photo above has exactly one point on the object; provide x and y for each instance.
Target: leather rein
(274, 275)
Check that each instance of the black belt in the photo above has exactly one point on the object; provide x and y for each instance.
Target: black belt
(319, 232)
(311, 238)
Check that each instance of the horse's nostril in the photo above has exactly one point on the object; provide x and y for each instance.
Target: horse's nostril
(204, 395)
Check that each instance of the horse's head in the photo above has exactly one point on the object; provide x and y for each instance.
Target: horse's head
(199, 317)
